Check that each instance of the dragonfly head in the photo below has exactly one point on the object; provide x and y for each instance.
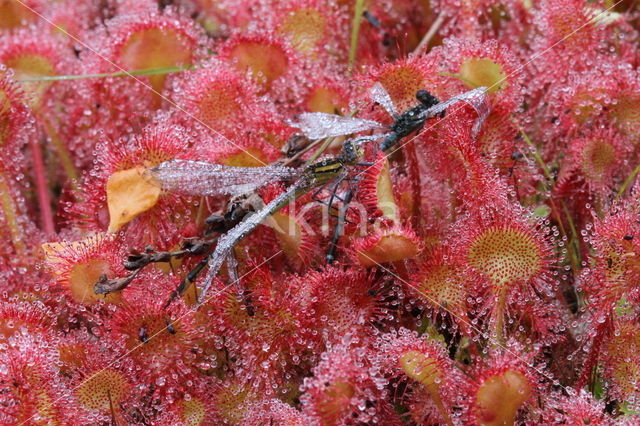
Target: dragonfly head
(426, 98)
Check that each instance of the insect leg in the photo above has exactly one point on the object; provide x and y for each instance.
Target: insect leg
(187, 281)
(337, 233)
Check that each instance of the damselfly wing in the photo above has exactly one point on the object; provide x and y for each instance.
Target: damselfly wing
(189, 177)
(317, 125)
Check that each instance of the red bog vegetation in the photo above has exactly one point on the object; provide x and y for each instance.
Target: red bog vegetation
(319, 212)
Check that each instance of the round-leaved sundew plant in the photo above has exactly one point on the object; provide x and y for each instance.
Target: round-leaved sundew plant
(319, 212)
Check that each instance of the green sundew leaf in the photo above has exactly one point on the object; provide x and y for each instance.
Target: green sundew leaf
(459, 77)
(148, 71)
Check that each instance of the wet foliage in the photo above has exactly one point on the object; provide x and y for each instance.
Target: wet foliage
(481, 266)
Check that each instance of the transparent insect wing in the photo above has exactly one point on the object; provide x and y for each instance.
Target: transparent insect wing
(202, 178)
(476, 98)
(318, 125)
(380, 96)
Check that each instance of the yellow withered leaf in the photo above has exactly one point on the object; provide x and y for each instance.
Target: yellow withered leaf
(129, 193)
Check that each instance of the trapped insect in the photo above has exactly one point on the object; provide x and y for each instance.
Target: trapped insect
(202, 178)
(317, 125)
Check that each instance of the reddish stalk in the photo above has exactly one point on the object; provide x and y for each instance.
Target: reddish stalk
(414, 173)
(592, 358)
(42, 189)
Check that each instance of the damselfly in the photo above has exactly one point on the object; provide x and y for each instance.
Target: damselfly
(317, 125)
(202, 178)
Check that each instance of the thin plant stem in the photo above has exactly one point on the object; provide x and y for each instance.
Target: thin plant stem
(499, 320)
(628, 181)
(147, 71)
(424, 43)
(355, 31)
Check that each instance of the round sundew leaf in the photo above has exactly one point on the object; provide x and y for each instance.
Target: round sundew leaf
(324, 100)
(441, 288)
(83, 278)
(505, 255)
(129, 194)
(598, 157)
(218, 105)
(389, 248)
(422, 368)
(83, 275)
(31, 66)
(626, 114)
(155, 48)
(264, 61)
(402, 83)
(335, 401)
(102, 391)
(304, 28)
(479, 72)
(499, 398)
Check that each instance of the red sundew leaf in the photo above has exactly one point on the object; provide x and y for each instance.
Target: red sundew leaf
(19, 317)
(481, 19)
(15, 130)
(31, 388)
(31, 53)
(341, 383)
(568, 21)
(596, 159)
(148, 40)
(438, 282)
(306, 28)
(346, 300)
(487, 64)
(269, 335)
(274, 411)
(501, 389)
(616, 259)
(579, 407)
(386, 244)
(217, 96)
(403, 78)
(621, 361)
(423, 365)
(100, 374)
(158, 341)
(78, 265)
(196, 404)
(375, 190)
(263, 59)
(512, 261)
